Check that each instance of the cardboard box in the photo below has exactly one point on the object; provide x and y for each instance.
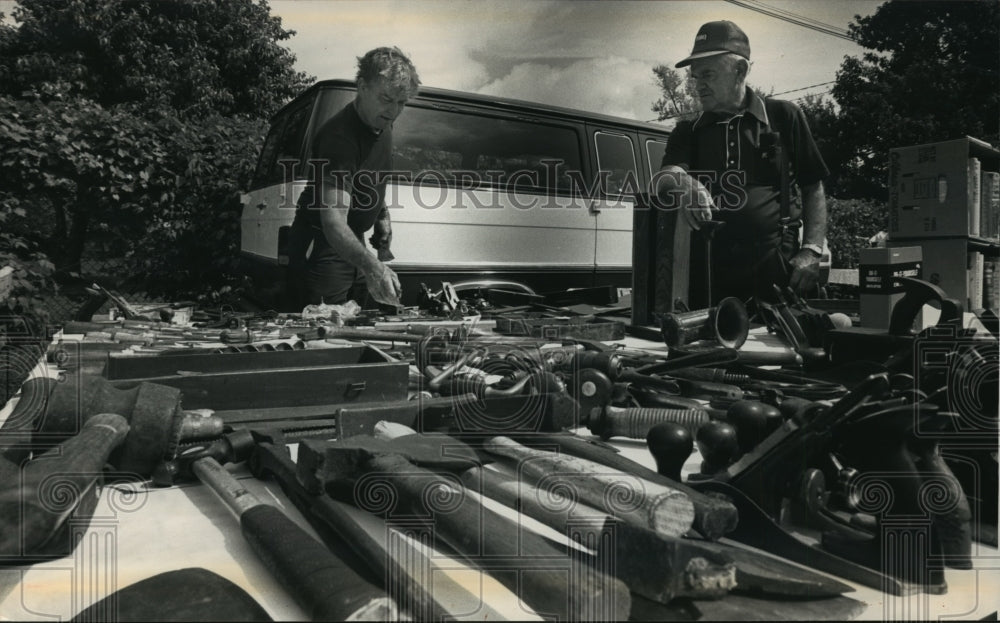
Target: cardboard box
(946, 264)
(933, 188)
(877, 293)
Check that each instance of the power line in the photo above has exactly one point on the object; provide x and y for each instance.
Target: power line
(798, 99)
(797, 20)
(794, 18)
(803, 18)
(811, 86)
(803, 98)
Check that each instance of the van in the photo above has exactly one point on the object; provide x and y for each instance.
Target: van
(487, 192)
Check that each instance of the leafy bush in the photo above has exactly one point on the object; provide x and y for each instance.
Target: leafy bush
(127, 130)
(851, 223)
(163, 194)
(192, 245)
(32, 277)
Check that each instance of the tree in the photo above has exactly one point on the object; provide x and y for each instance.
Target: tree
(163, 194)
(127, 129)
(678, 100)
(195, 57)
(933, 74)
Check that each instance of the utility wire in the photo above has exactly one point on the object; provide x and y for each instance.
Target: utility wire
(811, 86)
(794, 18)
(803, 18)
(833, 32)
(803, 98)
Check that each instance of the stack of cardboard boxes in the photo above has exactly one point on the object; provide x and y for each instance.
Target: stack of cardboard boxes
(944, 198)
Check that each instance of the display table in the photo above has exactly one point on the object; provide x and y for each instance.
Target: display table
(139, 531)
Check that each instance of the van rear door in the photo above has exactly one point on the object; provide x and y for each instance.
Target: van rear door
(616, 158)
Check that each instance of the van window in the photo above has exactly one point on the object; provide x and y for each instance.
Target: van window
(283, 143)
(265, 162)
(489, 151)
(615, 154)
(290, 143)
(655, 151)
(331, 101)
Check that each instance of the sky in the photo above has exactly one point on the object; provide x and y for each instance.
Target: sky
(591, 55)
(587, 54)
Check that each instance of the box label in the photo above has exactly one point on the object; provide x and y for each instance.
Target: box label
(878, 278)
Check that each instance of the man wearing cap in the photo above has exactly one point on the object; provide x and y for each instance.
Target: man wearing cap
(726, 166)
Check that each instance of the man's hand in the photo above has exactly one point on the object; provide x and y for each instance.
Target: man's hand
(677, 188)
(384, 287)
(805, 272)
(700, 208)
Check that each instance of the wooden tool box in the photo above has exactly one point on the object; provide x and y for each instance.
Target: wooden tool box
(549, 327)
(355, 374)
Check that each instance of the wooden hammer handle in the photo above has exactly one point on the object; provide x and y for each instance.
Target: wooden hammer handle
(324, 585)
(544, 577)
(664, 509)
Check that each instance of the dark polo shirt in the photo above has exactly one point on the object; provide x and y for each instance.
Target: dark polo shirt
(728, 154)
(354, 157)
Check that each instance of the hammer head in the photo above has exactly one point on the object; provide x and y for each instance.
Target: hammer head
(335, 466)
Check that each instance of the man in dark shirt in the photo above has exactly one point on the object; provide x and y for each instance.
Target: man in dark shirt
(350, 156)
(722, 166)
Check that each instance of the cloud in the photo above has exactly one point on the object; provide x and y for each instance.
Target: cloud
(592, 55)
(615, 86)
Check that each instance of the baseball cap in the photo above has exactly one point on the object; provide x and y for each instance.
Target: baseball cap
(718, 38)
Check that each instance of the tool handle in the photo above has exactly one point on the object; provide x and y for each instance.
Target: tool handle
(350, 333)
(670, 444)
(650, 564)
(322, 584)
(550, 582)
(648, 381)
(951, 515)
(635, 422)
(784, 357)
(708, 390)
(712, 375)
(713, 517)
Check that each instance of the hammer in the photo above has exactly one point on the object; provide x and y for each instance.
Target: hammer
(543, 576)
(322, 584)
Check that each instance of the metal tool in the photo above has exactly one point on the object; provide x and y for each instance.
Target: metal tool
(652, 565)
(322, 584)
(713, 517)
(593, 390)
(757, 529)
(726, 323)
(547, 580)
(410, 576)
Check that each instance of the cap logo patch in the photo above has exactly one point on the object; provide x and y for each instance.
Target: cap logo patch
(701, 37)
